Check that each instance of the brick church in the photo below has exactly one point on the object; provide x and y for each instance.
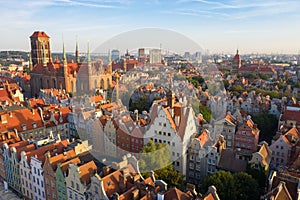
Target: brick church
(73, 76)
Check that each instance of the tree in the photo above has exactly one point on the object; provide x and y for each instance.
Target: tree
(246, 187)
(224, 183)
(232, 187)
(158, 158)
(205, 111)
(267, 124)
(260, 175)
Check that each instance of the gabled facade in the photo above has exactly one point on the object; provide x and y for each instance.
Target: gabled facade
(246, 138)
(78, 179)
(49, 168)
(262, 157)
(227, 128)
(173, 125)
(60, 174)
(110, 138)
(203, 157)
(282, 147)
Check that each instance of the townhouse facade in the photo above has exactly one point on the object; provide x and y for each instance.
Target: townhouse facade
(246, 138)
(78, 179)
(174, 125)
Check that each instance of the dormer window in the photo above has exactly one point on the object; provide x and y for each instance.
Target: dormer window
(24, 127)
(33, 124)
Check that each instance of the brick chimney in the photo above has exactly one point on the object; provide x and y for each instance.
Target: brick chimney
(122, 182)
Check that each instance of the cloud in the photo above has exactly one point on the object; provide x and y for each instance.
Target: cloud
(241, 9)
(104, 4)
(195, 12)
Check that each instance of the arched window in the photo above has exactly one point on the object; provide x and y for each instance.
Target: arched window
(108, 83)
(102, 84)
(41, 82)
(72, 86)
(95, 84)
(54, 83)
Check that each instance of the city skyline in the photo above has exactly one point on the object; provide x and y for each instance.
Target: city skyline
(219, 26)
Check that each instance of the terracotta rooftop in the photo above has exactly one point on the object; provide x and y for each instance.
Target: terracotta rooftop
(177, 194)
(39, 34)
(111, 181)
(18, 119)
(291, 115)
(87, 170)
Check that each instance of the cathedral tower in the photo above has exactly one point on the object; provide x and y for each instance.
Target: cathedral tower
(38, 41)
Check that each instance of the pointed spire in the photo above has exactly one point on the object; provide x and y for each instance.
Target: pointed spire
(109, 57)
(88, 54)
(237, 51)
(77, 52)
(44, 60)
(64, 55)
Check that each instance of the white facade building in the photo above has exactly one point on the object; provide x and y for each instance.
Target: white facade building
(173, 125)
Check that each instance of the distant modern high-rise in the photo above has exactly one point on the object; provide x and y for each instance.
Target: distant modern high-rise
(187, 55)
(141, 52)
(115, 54)
(155, 56)
(141, 55)
(198, 57)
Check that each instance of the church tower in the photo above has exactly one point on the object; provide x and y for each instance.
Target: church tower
(109, 65)
(237, 62)
(38, 40)
(89, 62)
(65, 62)
(77, 53)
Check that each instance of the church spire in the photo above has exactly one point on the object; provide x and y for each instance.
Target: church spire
(88, 54)
(237, 51)
(77, 52)
(109, 66)
(109, 57)
(64, 55)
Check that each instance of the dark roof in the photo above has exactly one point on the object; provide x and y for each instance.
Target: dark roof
(229, 162)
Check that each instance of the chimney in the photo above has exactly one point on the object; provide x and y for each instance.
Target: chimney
(10, 114)
(3, 119)
(32, 110)
(192, 188)
(122, 182)
(8, 135)
(135, 194)
(136, 112)
(105, 171)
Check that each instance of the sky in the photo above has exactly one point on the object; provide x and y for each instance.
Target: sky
(254, 26)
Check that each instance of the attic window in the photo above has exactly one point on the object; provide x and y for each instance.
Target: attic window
(24, 127)
(34, 124)
(108, 183)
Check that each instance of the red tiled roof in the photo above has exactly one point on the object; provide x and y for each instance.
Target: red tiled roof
(177, 194)
(65, 165)
(87, 170)
(203, 138)
(111, 181)
(17, 118)
(39, 34)
(290, 115)
(40, 152)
